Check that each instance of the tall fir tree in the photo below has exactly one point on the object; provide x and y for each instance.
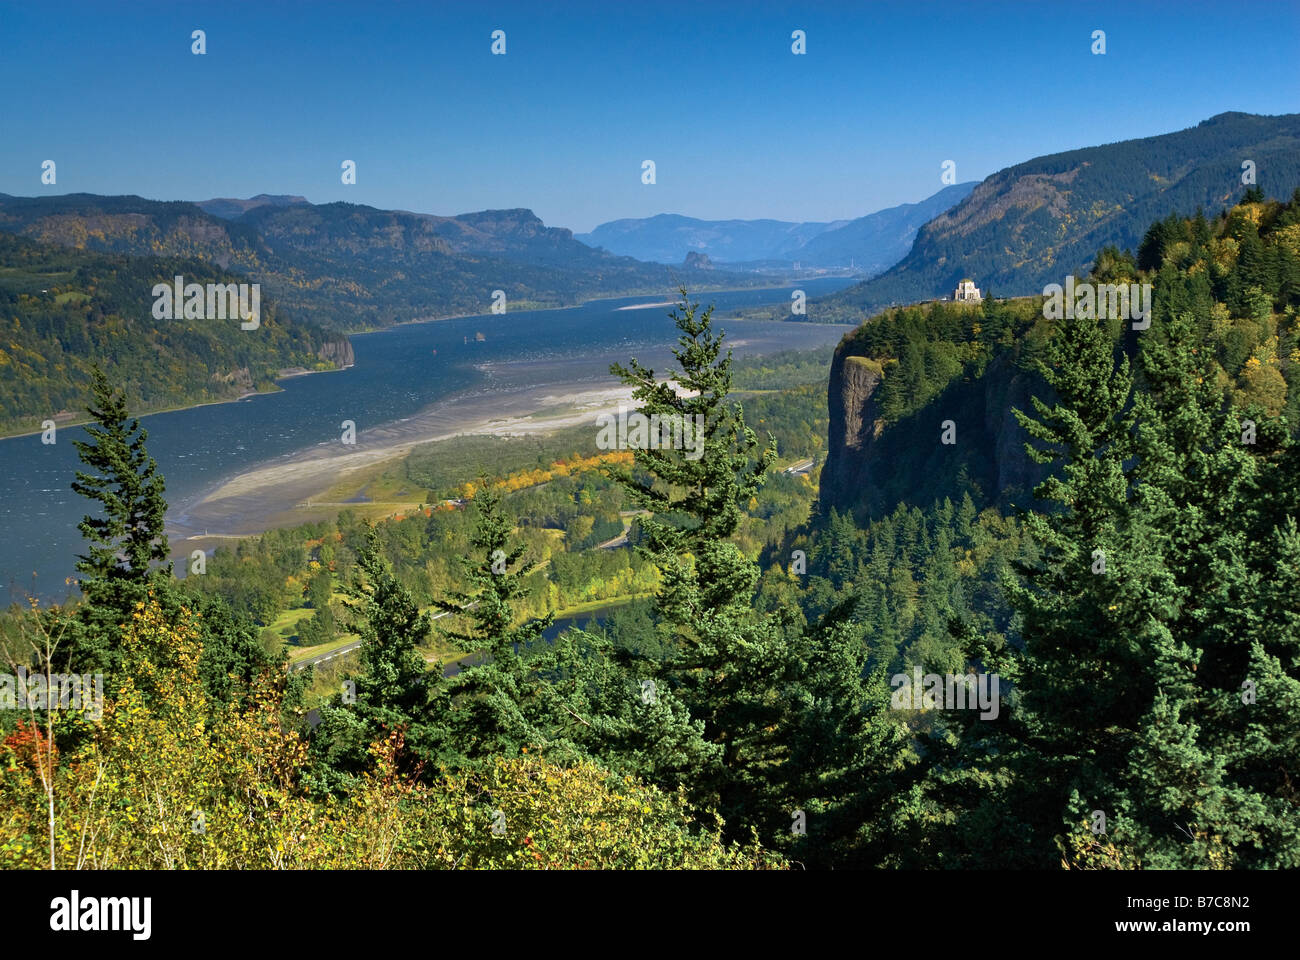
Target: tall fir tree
(1139, 688)
(1082, 678)
(395, 691)
(498, 708)
(125, 536)
(848, 771)
(728, 665)
(1210, 767)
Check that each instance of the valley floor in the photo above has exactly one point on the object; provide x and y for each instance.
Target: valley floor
(304, 486)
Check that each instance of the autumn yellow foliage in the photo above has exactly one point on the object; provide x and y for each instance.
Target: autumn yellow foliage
(170, 779)
(560, 468)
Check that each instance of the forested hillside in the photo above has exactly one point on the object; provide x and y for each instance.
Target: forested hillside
(1029, 225)
(1110, 532)
(61, 309)
(897, 378)
(350, 266)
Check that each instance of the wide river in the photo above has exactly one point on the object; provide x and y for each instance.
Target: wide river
(398, 373)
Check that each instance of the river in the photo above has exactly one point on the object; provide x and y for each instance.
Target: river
(399, 373)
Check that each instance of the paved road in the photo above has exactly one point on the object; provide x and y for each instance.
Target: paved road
(338, 651)
(610, 544)
(621, 539)
(449, 669)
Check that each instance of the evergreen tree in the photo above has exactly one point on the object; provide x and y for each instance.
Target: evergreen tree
(395, 690)
(1209, 769)
(729, 665)
(1133, 683)
(124, 537)
(129, 537)
(394, 685)
(1080, 677)
(848, 768)
(499, 707)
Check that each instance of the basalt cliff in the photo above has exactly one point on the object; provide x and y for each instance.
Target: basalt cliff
(921, 408)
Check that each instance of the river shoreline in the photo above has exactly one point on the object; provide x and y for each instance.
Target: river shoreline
(279, 493)
(299, 372)
(241, 469)
(702, 294)
(289, 374)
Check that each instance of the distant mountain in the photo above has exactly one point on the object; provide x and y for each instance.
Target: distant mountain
(669, 237)
(344, 230)
(350, 266)
(876, 242)
(228, 209)
(1033, 223)
(873, 242)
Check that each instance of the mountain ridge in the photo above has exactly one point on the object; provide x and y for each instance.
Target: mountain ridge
(875, 241)
(353, 266)
(1036, 221)
(231, 208)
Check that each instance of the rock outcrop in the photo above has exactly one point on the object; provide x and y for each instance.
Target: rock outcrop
(872, 465)
(239, 379)
(338, 352)
(852, 419)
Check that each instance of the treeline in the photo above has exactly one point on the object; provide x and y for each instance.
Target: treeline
(910, 574)
(1238, 278)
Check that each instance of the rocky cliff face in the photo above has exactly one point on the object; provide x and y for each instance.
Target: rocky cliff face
(339, 352)
(872, 465)
(852, 423)
(240, 379)
(1007, 388)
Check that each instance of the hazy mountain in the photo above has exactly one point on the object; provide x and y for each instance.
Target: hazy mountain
(229, 209)
(873, 242)
(879, 240)
(668, 237)
(1033, 223)
(345, 229)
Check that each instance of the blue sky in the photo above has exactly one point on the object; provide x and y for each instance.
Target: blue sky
(737, 125)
